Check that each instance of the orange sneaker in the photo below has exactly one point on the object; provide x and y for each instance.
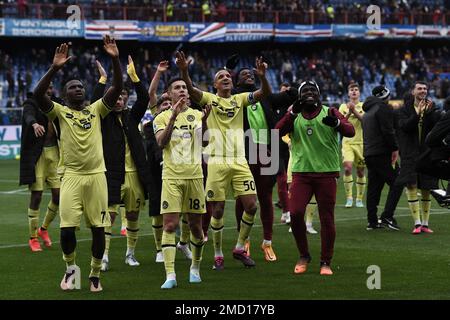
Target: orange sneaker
(247, 247)
(269, 255)
(34, 245)
(301, 266)
(123, 232)
(43, 234)
(325, 270)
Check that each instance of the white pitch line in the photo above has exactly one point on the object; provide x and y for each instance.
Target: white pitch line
(226, 228)
(17, 191)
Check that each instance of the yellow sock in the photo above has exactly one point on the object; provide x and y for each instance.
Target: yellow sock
(185, 230)
(157, 225)
(413, 202)
(360, 187)
(310, 210)
(107, 240)
(96, 265)
(217, 228)
(132, 235)
(52, 211)
(348, 185)
(33, 222)
(197, 251)
(426, 206)
(69, 259)
(123, 217)
(169, 250)
(246, 226)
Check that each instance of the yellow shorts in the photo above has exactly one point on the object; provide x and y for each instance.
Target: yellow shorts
(221, 175)
(353, 153)
(45, 170)
(131, 194)
(183, 196)
(289, 169)
(84, 194)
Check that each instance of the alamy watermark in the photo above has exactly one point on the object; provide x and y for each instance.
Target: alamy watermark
(74, 20)
(374, 19)
(374, 280)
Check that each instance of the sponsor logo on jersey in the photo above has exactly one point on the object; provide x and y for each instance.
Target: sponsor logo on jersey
(190, 118)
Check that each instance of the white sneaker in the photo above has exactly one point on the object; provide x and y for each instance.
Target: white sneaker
(288, 217)
(105, 265)
(159, 257)
(349, 203)
(311, 230)
(290, 229)
(283, 217)
(131, 261)
(185, 250)
(359, 204)
(71, 279)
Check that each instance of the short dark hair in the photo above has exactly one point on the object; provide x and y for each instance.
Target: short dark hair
(172, 80)
(285, 84)
(162, 99)
(67, 82)
(353, 85)
(419, 82)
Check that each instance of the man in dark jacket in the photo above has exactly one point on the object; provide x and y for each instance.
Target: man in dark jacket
(381, 154)
(128, 172)
(39, 156)
(415, 120)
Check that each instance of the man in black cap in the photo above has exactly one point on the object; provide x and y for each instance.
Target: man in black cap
(380, 154)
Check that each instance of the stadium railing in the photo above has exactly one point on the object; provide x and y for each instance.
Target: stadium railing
(147, 13)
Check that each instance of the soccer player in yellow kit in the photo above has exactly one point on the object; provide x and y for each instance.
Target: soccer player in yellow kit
(227, 163)
(83, 186)
(178, 131)
(352, 148)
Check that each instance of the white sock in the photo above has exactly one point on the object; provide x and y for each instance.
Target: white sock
(218, 253)
(171, 276)
(425, 222)
(417, 222)
(267, 242)
(105, 257)
(308, 225)
(195, 270)
(239, 246)
(130, 251)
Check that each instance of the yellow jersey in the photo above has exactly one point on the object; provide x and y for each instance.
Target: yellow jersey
(81, 137)
(358, 138)
(226, 124)
(182, 156)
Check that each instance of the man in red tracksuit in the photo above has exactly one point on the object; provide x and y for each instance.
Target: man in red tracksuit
(314, 130)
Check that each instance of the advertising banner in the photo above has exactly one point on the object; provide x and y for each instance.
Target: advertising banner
(42, 28)
(10, 141)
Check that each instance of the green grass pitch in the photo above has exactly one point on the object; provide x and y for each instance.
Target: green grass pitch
(412, 267)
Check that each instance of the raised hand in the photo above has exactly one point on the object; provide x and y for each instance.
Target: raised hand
(351, 107)
(60, 58)
(101, 70)
(261, 67)
(181, 61)
(163, 66)
(110, 46)
(131, 70)
(178, 106)
(206, 111)
(330, 121)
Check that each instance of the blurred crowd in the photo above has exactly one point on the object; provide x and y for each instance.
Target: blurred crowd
(332, 68)
(325, 11)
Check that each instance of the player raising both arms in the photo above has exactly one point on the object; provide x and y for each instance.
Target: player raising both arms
(83, 188)
(227, 163)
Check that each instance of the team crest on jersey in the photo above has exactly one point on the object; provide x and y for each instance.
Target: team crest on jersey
(233, 103)
(309, 131)
(210, 194)
(254, 107)
(85, 112)
(165, 204)
(190, 118)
